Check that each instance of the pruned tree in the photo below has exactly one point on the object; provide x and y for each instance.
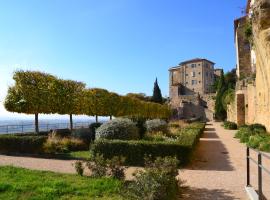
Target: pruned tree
(30, 94)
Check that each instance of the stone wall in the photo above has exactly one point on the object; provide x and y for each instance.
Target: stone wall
(261, 31)
(252, 103)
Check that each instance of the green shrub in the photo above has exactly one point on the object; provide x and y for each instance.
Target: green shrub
(254, 141)
(230, 125)
(116, 168)
(265, 145)
(84, 134)
(93, 127)
(60, 133)
(97, 165)
(22, 144)
(257, 128)
(156, 125)
(157, 182)
(135, 150)
(123, 129)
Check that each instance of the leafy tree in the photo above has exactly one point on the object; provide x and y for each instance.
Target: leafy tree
(97, 102)
(68, 97)
(31, 94)
(157, 96)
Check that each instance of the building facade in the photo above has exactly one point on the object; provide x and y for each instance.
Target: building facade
(189, 83)
(192, 77)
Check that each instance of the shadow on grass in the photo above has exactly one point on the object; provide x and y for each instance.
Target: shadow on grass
(205, 194)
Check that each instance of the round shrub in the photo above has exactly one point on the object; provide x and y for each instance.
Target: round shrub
(122, 129)
(156, 125)
(83, 134)
(230, 125)
(258, 128)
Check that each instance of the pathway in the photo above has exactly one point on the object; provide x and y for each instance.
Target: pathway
(218, 170)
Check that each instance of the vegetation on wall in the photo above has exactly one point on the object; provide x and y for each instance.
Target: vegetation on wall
(225, 93)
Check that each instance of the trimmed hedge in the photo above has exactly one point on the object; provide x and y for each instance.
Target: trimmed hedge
(22, 144)
(135, 150)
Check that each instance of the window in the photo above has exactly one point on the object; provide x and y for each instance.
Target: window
(194, 82)
(206, 74)
(186, 83)
(186, 74)
(193, 74)
(199, 81)
(193, 65)
(199, 73)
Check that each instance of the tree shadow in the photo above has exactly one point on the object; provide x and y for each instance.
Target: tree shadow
(205, 194)
(210, 153)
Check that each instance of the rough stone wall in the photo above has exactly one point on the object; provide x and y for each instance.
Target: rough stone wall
(261, 31)
(242, 48)
(231, 112)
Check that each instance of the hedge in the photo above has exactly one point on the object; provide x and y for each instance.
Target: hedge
(22, 144)
(135, 150)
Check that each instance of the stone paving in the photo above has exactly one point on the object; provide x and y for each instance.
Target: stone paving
(218, 170)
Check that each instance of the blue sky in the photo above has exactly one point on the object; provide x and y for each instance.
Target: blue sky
(120, 45)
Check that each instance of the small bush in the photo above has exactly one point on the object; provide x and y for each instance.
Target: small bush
(123, 129)
(22, 144)
(97, 165)
(157, 182)
(230, 125)
(116, 168)
(254, 141)
(156, 125)
(79, 167)
(60, 133)
(93, 127)
(83, 134)
(64, 145)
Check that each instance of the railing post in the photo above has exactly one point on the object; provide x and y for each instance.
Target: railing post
(248, 168)
(260, 176)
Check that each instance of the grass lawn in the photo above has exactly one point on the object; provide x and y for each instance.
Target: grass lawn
(20, 184)
(79, 154)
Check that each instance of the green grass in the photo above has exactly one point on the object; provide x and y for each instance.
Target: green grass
(79, 154)
(21, 184)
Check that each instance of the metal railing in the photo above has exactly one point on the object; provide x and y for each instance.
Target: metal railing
(258, 162)
(28, 128)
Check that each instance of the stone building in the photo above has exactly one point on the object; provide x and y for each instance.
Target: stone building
(190, 85)
(252, 96)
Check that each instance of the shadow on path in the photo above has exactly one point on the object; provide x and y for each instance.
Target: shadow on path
(206, 194)
(211, 154)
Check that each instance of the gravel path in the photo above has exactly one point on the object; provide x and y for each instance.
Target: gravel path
(218, 170)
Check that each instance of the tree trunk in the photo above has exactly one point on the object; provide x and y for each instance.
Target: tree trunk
(71, 122)
(110, 117)
(36, 123)
(96, 119)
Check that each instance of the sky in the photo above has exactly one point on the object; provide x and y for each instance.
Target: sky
(119, 45)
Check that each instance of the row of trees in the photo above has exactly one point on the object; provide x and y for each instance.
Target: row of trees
(36, 92)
